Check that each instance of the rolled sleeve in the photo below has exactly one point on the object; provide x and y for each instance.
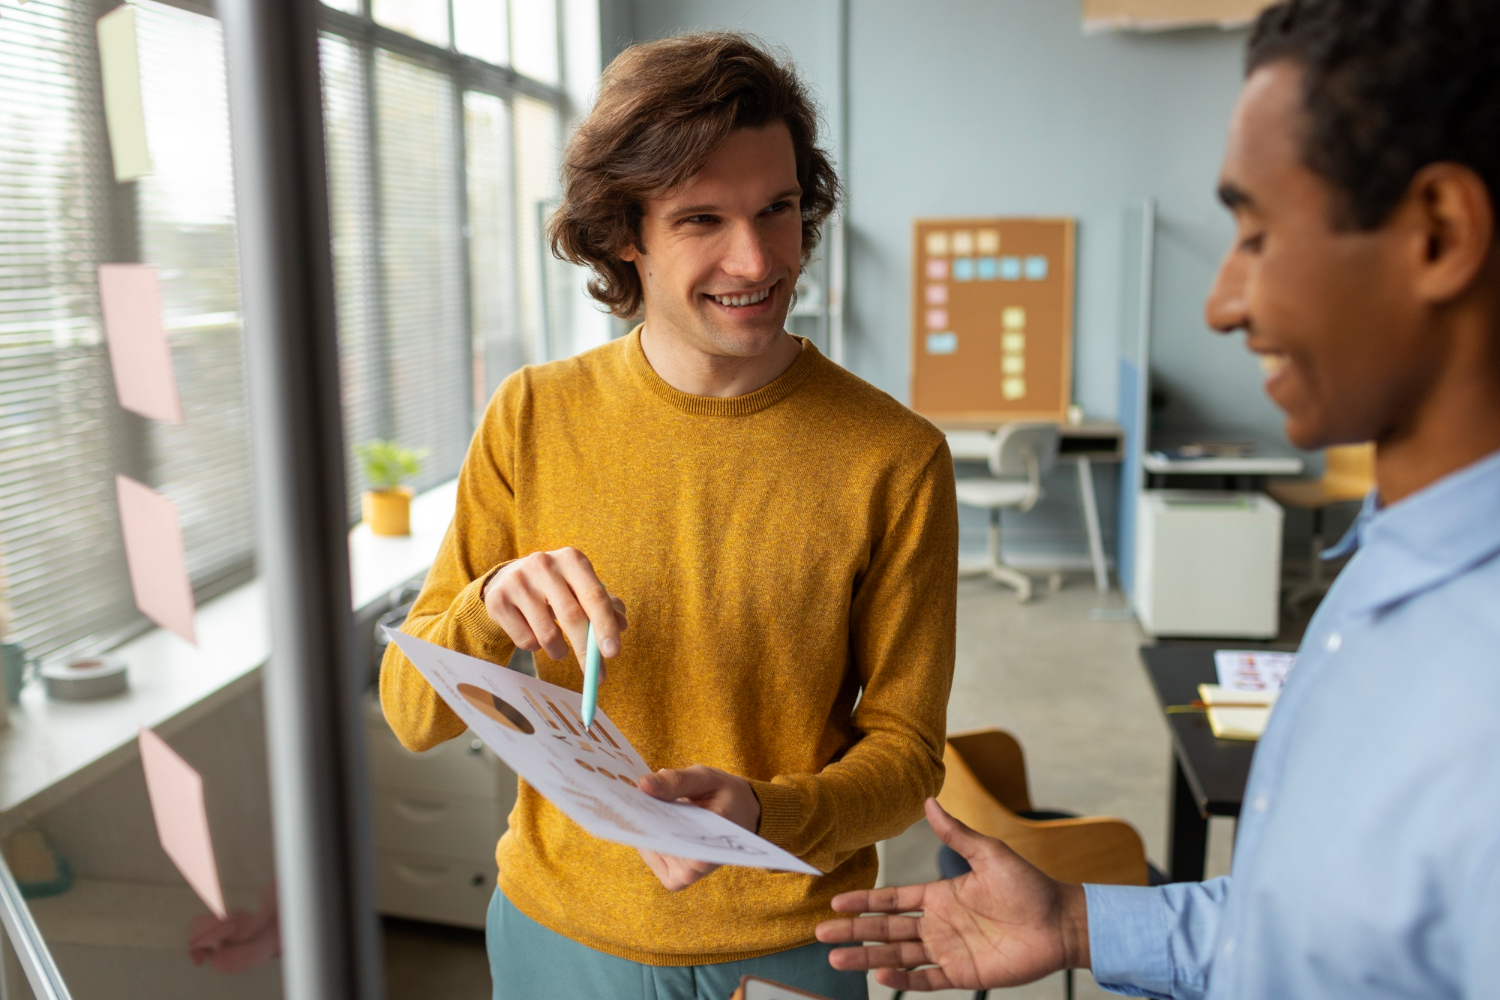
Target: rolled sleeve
(1155, 942)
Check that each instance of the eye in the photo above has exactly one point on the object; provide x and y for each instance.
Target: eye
(775, 207)
(702, 220)
(1253, 243)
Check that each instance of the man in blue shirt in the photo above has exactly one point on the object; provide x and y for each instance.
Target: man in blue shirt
(1363, 171)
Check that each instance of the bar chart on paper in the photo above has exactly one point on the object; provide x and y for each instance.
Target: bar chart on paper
(589, 773)
(992, 320)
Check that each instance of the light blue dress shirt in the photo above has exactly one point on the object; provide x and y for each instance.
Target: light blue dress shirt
(1367, 857)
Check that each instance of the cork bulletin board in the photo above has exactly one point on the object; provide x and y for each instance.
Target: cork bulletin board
(992, 320)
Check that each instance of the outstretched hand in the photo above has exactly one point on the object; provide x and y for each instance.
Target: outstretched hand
(718, 791)
(1003, 924)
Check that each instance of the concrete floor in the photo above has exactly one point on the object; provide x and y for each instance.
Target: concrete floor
(1070, 687)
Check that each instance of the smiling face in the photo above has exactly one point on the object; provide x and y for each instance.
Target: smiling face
(723, 251)
(1334, 313)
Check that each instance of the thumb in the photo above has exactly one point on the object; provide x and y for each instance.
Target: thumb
(672, 784)
(955, 834)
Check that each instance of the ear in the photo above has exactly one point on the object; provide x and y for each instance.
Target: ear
(1456, 218)
(630, 253)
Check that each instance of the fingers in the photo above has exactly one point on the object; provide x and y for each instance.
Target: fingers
(675, 873)
(592, 599)
(924, 980)
(890, 899)
(901, 955)
(877, 928)
(547, 600)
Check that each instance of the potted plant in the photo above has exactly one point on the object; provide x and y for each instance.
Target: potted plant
(386, 505)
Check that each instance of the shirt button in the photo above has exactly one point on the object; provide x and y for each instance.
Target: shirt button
(1334, 642)
(1262, 803)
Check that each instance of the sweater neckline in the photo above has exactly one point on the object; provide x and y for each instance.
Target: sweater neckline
(720, 406)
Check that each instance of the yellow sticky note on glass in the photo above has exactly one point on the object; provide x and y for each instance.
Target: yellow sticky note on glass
(124, 112)
(1013, 318)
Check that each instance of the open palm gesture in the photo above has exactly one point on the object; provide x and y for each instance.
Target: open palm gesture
(1002, 924)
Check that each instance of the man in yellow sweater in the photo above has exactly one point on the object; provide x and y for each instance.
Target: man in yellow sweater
(783, 534)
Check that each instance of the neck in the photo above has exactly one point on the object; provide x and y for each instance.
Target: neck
(698, 372)
(1455, 424)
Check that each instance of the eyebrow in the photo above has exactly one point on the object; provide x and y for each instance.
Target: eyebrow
(681, 213)
(1233, 196)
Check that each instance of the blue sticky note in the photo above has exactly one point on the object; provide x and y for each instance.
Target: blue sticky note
(1036, 268)
(1010, 268)
(988, 268)
(963, 269)
(942, 343)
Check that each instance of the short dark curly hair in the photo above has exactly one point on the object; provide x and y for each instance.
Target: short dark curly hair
(1389, 86)
(663, 108)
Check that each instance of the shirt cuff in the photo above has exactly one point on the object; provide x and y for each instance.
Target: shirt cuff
(780, 811)
(1129, 936)
(474, 623)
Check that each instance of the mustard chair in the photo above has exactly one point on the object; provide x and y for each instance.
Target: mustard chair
(1348, 474)
(986, 789)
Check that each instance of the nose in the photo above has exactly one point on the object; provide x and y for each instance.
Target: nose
(1225, 309)
(748, 257)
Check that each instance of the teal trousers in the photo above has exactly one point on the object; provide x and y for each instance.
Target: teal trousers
(530, 962)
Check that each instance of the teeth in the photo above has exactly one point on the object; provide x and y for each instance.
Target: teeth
(742, 300)
(1271, 363)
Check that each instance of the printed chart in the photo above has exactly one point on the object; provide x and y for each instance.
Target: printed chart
(992, 320)
(537, 729)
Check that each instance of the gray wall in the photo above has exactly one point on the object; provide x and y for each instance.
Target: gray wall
(1005, 107)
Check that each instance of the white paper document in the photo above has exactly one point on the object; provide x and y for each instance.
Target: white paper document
(537, 729)
(1253, 670)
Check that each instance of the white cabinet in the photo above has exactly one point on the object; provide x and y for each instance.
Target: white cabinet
(437, 818)
(1208, 563)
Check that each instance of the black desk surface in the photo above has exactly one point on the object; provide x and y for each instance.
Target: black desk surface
(1216, 770)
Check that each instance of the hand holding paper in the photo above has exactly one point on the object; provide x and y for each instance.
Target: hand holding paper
(591, 775)
(709, 788)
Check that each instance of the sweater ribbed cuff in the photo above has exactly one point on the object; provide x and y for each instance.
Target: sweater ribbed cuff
(780, 812)
(474, 621)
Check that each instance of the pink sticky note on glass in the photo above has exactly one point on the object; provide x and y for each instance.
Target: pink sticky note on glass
(139, 355)
(154, 553)
(937, 295)
(176, 792)
(937, 269)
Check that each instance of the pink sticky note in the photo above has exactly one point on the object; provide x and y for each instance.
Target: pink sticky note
(154, 553)
(937, 295)
(937, 319)
(176, 792)
(937, 269)
(130, 295)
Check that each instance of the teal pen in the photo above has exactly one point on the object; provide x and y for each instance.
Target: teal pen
(590, 679)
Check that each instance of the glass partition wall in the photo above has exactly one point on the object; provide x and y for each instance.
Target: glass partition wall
(443, 122)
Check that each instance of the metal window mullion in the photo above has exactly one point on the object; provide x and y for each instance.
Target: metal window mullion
(375, 360)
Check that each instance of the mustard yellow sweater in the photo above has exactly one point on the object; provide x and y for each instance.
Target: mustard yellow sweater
(788, 559)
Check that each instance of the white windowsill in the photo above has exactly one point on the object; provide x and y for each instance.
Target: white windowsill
(53, 748)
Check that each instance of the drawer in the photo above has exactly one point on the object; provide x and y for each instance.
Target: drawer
(462, 765)
(431, 887)
(457, 826)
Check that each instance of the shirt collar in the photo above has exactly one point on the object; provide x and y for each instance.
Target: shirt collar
(1431, 536)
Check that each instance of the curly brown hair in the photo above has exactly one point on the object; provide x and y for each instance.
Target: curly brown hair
(664, 107)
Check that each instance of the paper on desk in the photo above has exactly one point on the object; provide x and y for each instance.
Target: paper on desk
(1253, 669)
(537, 729)
(139, 355)
(124, 113)
(176, 792)
(1237, 715)
(154, 554)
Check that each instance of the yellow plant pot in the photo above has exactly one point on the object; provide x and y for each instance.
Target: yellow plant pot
(388, 512)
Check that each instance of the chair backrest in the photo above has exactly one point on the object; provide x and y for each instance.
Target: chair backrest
(1349, 470)
(1087, 849)
(1024, 451)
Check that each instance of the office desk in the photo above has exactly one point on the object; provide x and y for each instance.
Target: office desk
(1209, 774)
(1231, 469)
(1082, 444)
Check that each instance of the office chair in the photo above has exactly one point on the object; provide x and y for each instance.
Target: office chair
(1348, 474)
(986, 789)
(1022, 453)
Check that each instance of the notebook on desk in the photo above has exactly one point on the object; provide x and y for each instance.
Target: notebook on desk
(1237, 715)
